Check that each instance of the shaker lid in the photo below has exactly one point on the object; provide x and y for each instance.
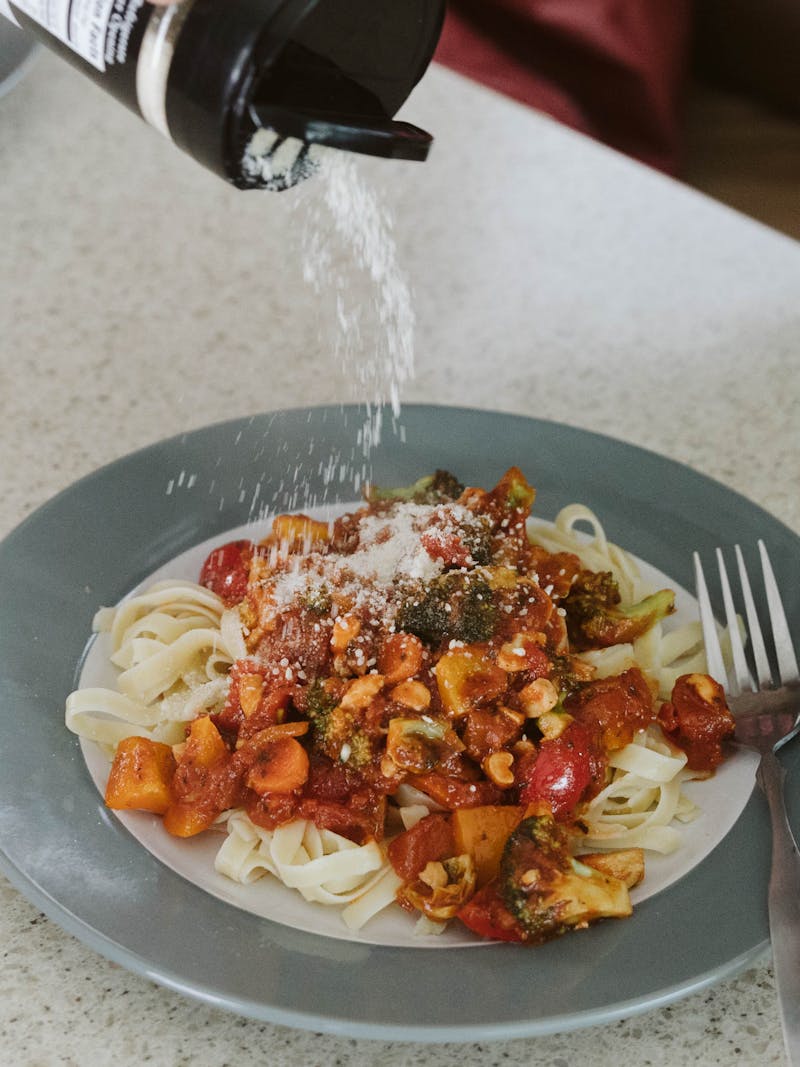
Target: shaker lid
(356, 133)
(311, 72)
(344, 69)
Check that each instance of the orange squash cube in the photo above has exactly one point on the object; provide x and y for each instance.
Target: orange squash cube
(204, 745)
(184, 819)
(141, 776)
(466, 678)
(482, 832)
(298, 533)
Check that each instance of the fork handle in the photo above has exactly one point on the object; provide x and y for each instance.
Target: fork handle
(784, 904)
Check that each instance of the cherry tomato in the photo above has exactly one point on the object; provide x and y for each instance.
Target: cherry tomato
(562, 771)
(487, 916)
(226, 570)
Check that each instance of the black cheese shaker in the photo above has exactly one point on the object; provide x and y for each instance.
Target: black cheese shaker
(249, 88)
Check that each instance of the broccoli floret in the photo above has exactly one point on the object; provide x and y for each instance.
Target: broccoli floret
(477, 540)
(514, 491)
(415, 744)
(536, 848)
(335, 731)
(320, 705)
(455, 606)
(441, 887)
(568, 674)
(435, 488)
(546, 890)
(595, 619)
(317, 600)
(357, 749)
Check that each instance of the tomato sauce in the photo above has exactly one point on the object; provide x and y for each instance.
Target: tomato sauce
(617, 706)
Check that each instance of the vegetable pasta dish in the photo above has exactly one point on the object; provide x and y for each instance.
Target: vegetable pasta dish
(431, 702)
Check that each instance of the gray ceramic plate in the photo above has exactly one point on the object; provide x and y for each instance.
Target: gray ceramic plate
(74, 860)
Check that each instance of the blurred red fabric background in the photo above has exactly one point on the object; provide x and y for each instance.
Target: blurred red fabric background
(611, 68)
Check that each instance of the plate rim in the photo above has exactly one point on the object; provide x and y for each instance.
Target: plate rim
(128, 958)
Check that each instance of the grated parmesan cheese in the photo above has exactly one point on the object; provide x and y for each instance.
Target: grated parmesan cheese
(390, 550)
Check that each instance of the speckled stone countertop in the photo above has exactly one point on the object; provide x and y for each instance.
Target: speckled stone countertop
(141, 297)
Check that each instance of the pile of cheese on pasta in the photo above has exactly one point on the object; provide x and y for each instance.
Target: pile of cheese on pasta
(429, 702)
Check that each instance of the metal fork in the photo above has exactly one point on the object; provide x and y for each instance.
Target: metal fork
(767, 716)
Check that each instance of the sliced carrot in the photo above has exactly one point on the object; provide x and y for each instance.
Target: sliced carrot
(272, 733)
(280, 767)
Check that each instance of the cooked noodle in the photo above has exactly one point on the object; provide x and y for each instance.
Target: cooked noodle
(173, 645)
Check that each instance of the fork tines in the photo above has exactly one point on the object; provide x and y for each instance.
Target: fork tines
(740, 679)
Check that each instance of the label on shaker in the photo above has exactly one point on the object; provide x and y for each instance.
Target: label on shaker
(96, 30)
